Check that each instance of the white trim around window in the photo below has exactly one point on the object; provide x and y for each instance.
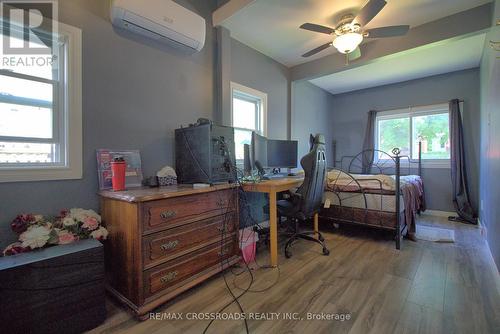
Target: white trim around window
(69, 128)
(252, 93)
(413, 112)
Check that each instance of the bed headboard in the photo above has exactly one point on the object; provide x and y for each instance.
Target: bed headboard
(376, 161)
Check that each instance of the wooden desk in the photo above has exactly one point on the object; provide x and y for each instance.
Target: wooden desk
(273, 187)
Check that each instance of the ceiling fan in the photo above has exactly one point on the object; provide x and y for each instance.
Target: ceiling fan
(349, 32)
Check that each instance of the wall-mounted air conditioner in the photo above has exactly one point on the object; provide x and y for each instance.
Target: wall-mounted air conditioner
(162, 20)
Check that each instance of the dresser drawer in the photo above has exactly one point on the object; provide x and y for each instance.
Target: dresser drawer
(172, 274)
(162, 214)
(166, 245)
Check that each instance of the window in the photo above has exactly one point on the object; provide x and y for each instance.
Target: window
(40, 111)
(405, 128)
(248, 113)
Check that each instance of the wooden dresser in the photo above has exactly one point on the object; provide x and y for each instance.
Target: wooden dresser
(163, 241)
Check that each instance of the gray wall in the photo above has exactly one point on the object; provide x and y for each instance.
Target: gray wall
(490, 141)
(135, 93)
(311, 107)
(348, 123)
(253, 69)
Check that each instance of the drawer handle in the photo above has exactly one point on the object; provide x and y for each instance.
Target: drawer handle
(169, 245)
(169, 277)
(224, 252)
(167, 214)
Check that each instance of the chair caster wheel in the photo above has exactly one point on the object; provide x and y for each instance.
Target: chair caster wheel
(326, 252)
(288, 254)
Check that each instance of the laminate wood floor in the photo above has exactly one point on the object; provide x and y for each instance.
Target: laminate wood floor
(424, 288)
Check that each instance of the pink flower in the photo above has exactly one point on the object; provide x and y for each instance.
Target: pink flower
(15, 248)
(90, 223)
(65, 237)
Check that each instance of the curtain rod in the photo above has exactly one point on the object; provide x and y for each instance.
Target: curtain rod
(420, 105)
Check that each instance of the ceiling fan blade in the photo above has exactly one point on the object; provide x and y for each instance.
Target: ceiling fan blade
(391, 31)
(317, 28)
(318, 49)
(355, 54)
(369, 11)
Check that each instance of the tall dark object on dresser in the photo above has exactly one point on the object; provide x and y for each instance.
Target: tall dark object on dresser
(204, 153)
(163, 241)
(55, 290)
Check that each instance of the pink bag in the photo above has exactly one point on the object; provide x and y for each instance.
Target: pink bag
(248, 240)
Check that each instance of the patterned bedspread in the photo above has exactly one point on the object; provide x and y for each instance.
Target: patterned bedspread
(411, 186)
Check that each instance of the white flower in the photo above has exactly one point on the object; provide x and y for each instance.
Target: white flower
(100, 234)
(81, 214)
(35, 237)
(38, 218)
(68, 221)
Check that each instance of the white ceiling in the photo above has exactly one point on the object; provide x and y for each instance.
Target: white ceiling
(408, 65)
(272, 26)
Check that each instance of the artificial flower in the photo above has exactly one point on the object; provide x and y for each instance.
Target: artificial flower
(68, 221)
(81, 214)
(37, 231)
(100, 234)
(90, 223)
(35, 237)
(15, 248)
(38, 218)
(65, 237)
(22, 222)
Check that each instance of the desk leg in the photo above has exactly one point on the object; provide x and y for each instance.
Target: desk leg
(316, 225)
(273, 228)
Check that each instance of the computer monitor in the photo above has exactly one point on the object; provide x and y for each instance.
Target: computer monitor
(282, 153)
(259, 149)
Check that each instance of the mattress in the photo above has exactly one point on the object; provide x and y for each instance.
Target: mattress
(376, 202)
(386, 184)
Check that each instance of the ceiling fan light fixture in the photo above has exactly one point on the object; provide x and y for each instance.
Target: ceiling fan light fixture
(347, 43)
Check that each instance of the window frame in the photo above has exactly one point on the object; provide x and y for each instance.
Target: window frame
(411, 112)
(67, 118)
(251, 95)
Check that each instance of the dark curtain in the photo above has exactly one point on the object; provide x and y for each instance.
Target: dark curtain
(369, 143)
(458, 166)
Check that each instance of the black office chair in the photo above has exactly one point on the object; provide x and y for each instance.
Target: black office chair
(306, 201)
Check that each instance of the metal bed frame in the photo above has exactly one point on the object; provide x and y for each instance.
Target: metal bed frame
(365, 163)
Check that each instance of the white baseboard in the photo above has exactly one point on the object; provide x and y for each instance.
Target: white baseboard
(438, 213)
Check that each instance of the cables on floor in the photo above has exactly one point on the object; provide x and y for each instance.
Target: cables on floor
(243, 197)
(223, 230)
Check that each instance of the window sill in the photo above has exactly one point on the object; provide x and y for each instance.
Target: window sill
(428, 165)
(27, 174)
(432, 165)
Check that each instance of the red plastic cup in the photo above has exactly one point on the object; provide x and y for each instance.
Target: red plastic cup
(118, 175)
